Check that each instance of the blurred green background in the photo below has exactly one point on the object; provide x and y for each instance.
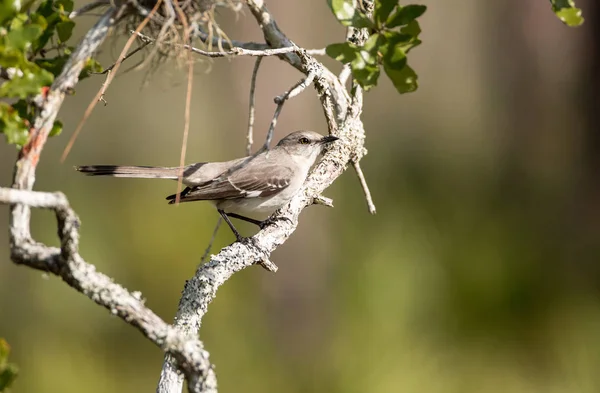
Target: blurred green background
(478, 274)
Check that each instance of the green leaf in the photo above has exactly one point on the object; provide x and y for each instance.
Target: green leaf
(64, 30)
(53, 65)
(16, 132)
(344, 52)
(404, 80)
(57, 128)
(395, 57)
(395, 48)
(17, 21)
(342, 9)
(8, 376)
(66, 5)
(566, 11)
(46, 9)
(21, 38)
(30, 83)
(368, 52)
(8, 8)
(405, 15)
(367, 76)
(412, 28)
(570, 16)
(10, 57)
(91, 66)
(345, 12)
(22, 108)
(383, 8)
(38, 19)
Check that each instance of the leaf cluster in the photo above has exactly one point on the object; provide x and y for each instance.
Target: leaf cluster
(33, 51)
(394, 32)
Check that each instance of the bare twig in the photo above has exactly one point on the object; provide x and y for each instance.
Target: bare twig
(346, 72)
(249, 135)
(109, 79)
(279, 100)
(133, 52)
(268, 265)
(365, 187)
(239, 50)
(104, 87)
(188, 103)
(321, 200)
(212, 240)
(218, 42)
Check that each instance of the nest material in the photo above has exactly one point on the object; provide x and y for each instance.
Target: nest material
(175, 24)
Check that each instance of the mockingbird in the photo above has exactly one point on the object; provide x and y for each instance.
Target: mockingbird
(260, 186)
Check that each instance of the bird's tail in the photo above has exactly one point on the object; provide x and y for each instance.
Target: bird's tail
(146, 172)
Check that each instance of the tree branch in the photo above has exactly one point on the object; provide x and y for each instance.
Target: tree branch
(261, 51)
(65, 261)
(343, 118)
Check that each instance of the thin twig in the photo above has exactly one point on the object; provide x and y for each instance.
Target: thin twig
(279, 100)
(110, 77)
(239, 51)
(268, 265)
(104, 87)
(212, 240)
(346, 72)
(321, 200)
(249, 135)
(365, 187)
(294, 91)
(188, 103)
(133, 52)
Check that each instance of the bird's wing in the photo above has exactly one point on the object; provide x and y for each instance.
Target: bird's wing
(251, 181)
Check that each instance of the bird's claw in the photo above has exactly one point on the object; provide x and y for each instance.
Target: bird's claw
(271, 220)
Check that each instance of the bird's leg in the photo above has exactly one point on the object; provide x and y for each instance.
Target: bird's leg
(238, 237)
(247, 219)
(261, 224)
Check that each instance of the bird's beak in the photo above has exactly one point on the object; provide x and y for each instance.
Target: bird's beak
(329, 139)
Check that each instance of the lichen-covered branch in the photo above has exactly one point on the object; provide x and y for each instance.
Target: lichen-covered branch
(66, 263)
(342, 113)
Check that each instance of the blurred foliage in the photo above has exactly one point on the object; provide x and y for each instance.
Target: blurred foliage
(566, 11)
(8, 371)
(394, 32)
(27, 38)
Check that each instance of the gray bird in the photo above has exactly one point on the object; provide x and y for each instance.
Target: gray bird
(261, 186)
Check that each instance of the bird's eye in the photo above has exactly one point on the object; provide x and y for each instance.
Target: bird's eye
(304, 141)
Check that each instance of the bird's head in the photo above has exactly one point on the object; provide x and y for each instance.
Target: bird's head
(306, 145)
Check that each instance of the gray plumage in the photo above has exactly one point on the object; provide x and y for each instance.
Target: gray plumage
(261, 186)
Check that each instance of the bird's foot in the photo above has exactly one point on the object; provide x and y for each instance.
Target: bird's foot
(272, 220)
